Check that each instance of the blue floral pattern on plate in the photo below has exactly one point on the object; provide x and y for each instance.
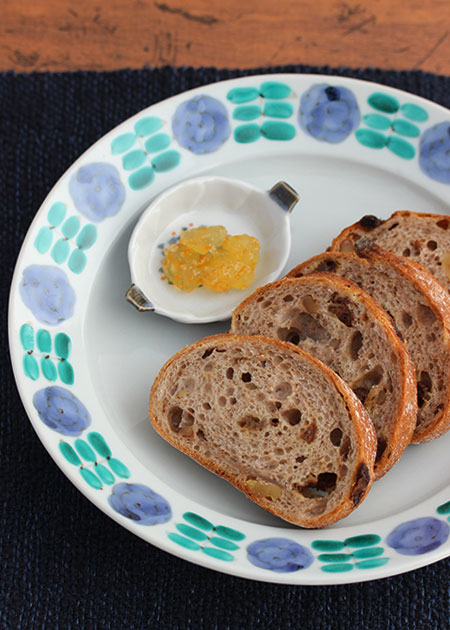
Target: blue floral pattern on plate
(46, 291)
(434, 156)
(281, 555)
(97, 191)
(201, 124)
(418, 536)
(328, 113)
(140, 503)
(61, 411)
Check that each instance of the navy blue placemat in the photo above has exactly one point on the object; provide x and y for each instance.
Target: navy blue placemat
(64, 564)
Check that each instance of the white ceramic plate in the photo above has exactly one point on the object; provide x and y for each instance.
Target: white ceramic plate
(84, 359)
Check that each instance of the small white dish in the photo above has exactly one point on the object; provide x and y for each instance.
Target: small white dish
(241, 208)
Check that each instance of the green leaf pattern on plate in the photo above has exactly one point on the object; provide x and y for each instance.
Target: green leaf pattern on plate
(42, 355)
(58, 238)
(93, 458)
(274, 101)
(144, 152)
(396, 121)
(199, 534)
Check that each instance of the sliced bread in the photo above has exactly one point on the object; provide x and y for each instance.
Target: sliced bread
(271, 419)
(420, 307)
(343, 326)
(422, 237)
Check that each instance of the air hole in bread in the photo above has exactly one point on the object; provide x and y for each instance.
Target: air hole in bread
(309, 434)
(288, 298)
(311, 305)
(407, 319)
(340, 308)
(278, 451)
(327, 265)
(303, 326)
(174, 389)
(222, 401)
(274, 421)
(201, 435)
(266, 304)
(355, 344)
(345, 448)
(181, 421)
(417, 245)
(323, 487)
(260, 299)
(335, 343)
(381, 447)
(206, 406)
(293, 416)
(426, 315)
(363, 385)
(251, 386)
(432, 245)
(393, 226)
(246, 377)
(278, 405)
(300, 459)
(233, 400)
(443, 224)
(336, 436)
(230, 373)
(291, 335)
(424, 388)
(251, 422)
(282, 390)
(406, 252)
(207, 353)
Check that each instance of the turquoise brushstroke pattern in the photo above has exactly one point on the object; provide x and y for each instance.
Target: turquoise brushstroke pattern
(263, 112)
(145, 152)
(65, 238)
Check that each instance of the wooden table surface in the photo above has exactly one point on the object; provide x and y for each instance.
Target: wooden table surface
(89, 35)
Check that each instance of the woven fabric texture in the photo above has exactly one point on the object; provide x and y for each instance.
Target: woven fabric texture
(64, 564)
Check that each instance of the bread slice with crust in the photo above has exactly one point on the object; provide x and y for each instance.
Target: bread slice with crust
(343, 326)
(420, 307)
(422, 237)
(272, 420)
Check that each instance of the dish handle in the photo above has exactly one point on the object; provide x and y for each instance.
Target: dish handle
(284, 195)
(135, 297)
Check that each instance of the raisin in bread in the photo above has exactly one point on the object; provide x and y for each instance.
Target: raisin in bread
(343, 326)
(424, 238)
(420, 307)
(271, 419)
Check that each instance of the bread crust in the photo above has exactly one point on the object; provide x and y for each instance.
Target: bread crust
(434, 294)
(365, 433)
(359, 230)
(405, 421)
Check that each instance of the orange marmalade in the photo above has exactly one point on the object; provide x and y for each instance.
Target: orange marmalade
(210, 257)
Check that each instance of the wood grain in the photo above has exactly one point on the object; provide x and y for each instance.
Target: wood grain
(65, 35)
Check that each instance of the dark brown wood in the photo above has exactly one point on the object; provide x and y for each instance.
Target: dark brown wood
(65, 35)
